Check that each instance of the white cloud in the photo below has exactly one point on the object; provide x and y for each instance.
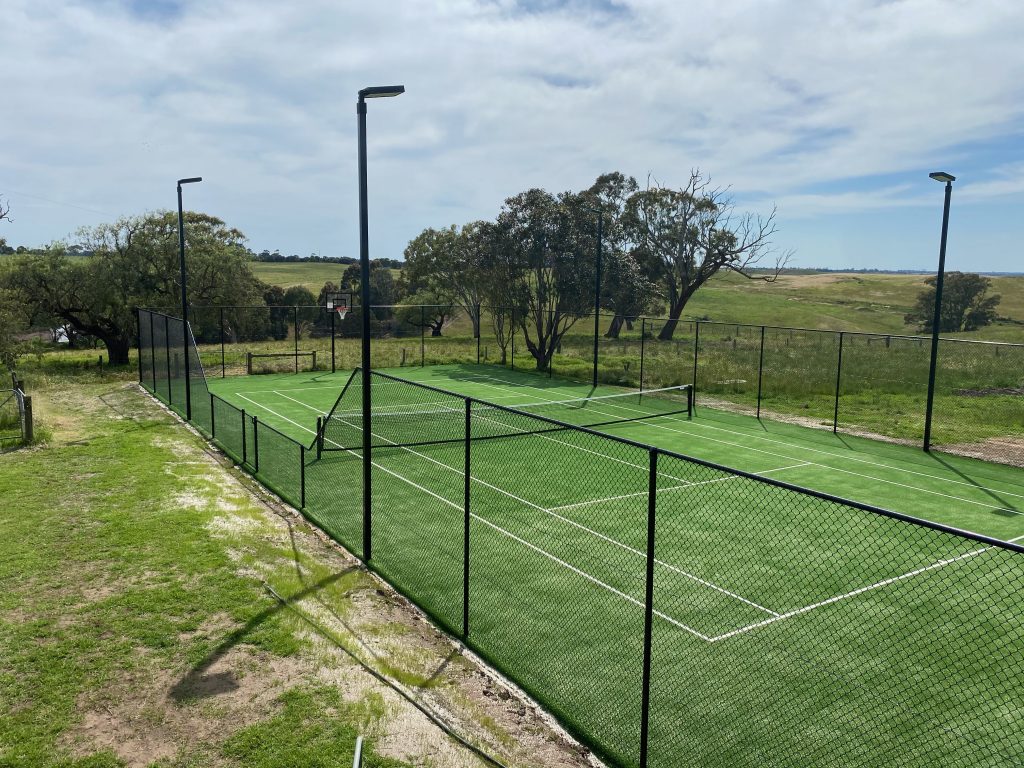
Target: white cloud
(104, 109)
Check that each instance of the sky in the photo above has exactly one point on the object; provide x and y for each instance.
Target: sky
(832, 112)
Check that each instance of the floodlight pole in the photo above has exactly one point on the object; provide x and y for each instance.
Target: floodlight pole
(948, 179)
(184, 297)
(597, 286)
(364, 292)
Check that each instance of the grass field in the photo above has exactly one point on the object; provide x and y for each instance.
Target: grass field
(867, 302)
(786, 626)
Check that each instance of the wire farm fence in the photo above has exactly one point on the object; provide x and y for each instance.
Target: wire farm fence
(15, 415)
(668, 610)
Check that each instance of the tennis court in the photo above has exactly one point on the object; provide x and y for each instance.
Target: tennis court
(786, 626)
(965, 493)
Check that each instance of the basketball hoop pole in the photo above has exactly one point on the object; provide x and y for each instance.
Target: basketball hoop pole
(364, 290)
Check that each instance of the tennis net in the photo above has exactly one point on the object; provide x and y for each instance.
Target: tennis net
(406, 414)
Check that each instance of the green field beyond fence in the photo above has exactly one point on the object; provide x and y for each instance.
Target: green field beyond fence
(662, 584)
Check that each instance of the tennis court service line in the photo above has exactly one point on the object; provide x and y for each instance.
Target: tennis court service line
(855, 592)
(698, 424)
(554, 558)
(742, 630)
(580, 526)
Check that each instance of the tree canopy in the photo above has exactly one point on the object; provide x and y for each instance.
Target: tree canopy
(965, 305)
(134, 263)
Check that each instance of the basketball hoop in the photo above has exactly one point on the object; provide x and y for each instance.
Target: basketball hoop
(340, 302)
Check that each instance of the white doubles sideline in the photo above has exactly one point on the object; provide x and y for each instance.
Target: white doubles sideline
(774, 616)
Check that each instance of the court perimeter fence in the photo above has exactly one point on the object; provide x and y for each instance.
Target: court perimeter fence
(848, 382)
(887, 641)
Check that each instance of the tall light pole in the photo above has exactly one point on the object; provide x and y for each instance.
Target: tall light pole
(375, 92)
(184, 297)
(597, 285)
(948, 180)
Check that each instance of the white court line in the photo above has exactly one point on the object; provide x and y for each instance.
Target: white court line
(862, 590)
(511, 535)
(701, 425)
(584, 528)
(776, 617)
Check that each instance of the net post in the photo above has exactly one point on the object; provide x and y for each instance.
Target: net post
(645, 693)
(319, 436)
(839, 374)
(245, 458)
(302, 476)
(760, 373)
(643, 333)
(248, 363)
(314, 361)
(213, 419)
(467, 481)
(256, 445)
(696, 345)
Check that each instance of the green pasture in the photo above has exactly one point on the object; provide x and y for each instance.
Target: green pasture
(783, 622)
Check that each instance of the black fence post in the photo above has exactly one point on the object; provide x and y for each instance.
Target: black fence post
(245, 458)
(643, 333)
(213, 419)
(256, 445)
(319, 436)
(645, 694)
(512, 343)
(295, 323)
(302, 476)
(333, 314)
(423, 330)
(467, 481)
(167, 348)
(760, 372)
(479, 320)
(138, 337)
(839, 374)
(152, 350)
(696, 346)
(223, 372)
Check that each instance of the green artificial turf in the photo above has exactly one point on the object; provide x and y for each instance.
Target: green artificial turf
(786, 627)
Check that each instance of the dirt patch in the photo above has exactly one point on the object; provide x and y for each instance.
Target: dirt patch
(989, 391)
(153, 714)
(1001, 450)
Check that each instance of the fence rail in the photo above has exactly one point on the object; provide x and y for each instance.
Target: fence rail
(667, 609)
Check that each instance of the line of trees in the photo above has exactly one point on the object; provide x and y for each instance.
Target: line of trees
(538, 258)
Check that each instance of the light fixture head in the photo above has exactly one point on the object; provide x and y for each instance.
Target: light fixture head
(192, 180)
(942, 176)
(381, 91)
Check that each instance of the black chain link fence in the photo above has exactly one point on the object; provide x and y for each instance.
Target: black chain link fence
(668, 610)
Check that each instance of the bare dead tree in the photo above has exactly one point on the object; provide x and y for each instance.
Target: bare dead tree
(5, 211)
(684, 237)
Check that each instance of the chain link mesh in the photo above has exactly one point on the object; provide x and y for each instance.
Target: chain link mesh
(786, 627)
